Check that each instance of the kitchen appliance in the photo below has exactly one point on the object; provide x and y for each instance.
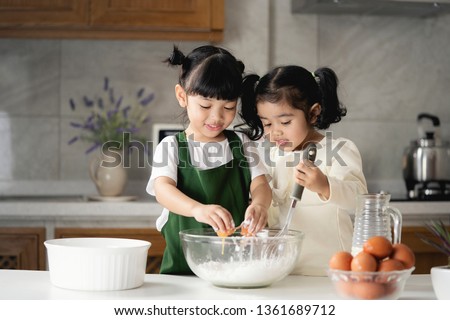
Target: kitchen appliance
(416, 8)
(426, 162)
(162, 130)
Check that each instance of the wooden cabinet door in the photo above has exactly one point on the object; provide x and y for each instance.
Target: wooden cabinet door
(157, 241)
(44, 13)
(160, 14)
(113, 19)
(162, 19)
(22, 248)
(426, 255)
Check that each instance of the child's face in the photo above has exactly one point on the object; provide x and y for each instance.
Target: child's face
(283, 125)
(209, 117)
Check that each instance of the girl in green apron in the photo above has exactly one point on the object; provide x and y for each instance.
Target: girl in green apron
(203, 176)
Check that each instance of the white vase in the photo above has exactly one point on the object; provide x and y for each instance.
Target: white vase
(108, 174)
(440, 278)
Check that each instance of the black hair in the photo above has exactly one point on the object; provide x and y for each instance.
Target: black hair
(296, 86)
(209, 71)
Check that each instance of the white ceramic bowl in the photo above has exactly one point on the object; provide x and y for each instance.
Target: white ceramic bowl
(241, 262)
(440, 279)
(97, 264)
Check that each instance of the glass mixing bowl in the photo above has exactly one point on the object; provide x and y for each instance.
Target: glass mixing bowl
(378, 285)
(241, 262)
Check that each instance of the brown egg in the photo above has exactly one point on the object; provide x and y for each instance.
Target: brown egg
(364, 261)
(378, 246)
(404, 254)
(390, 265)
(341, 261)
(344, 288)
(390, 288)
(368, 290)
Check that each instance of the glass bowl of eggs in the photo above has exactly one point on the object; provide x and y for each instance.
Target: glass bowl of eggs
(379, 271)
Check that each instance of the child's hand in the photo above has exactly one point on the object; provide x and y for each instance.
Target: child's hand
(312, 178)
(216, 216)
(255, 218)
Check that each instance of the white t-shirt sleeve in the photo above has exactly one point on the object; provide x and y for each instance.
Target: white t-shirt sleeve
(165, 162)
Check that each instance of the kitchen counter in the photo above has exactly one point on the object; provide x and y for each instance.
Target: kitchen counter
(77, 211)
(36, 285)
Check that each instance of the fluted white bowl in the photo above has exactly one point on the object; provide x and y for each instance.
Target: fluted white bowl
(97, 264)
(440, 279)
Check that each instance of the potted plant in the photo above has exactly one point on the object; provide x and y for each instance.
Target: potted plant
(113, 125)
(440, 275)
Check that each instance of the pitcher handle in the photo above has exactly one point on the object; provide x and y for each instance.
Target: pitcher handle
(93, 167)
(397, 219)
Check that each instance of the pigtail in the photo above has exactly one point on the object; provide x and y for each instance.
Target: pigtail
(240, 66)
(332, 108)
(176, 58)
(248, 111)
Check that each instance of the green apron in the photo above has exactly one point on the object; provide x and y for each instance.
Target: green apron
(227, 185)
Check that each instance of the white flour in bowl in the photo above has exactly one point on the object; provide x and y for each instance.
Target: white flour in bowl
(253, 273)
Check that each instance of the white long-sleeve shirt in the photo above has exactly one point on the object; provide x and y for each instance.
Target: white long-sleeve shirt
(327, 225)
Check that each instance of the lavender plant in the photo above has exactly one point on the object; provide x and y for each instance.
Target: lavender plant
(111, 117)
(441, 239)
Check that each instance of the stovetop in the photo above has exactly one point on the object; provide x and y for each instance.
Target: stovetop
(404, 197)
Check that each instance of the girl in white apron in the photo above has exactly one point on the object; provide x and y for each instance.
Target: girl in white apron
(289, 106)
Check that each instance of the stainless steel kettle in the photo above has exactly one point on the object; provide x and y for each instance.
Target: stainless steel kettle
(426, 160)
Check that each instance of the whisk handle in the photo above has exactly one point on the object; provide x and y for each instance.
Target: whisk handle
(297, 191)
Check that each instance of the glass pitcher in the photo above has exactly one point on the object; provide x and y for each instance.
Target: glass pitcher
(373, 218)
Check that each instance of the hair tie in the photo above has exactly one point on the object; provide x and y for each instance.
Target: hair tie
(316, 78)
(256, 85)
(176, 57)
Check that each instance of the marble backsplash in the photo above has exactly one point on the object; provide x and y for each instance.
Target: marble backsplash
(390, 70)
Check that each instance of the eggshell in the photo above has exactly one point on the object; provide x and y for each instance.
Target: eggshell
(404, 254)
(378, 246)
(224, 234)
(341, 260)
(390, 265)
(364, 261)
(368, 290)
(245, 232)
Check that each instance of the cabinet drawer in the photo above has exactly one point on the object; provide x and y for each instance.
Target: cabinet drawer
(22, 248)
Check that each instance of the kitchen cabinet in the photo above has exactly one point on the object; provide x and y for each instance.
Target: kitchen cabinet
(426, 255)
(113, 19)
(152, 235)
(22, 248)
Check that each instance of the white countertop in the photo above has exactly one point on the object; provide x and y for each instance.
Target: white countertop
(36, 285)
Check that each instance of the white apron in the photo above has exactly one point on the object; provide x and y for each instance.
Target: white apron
(327, 224)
